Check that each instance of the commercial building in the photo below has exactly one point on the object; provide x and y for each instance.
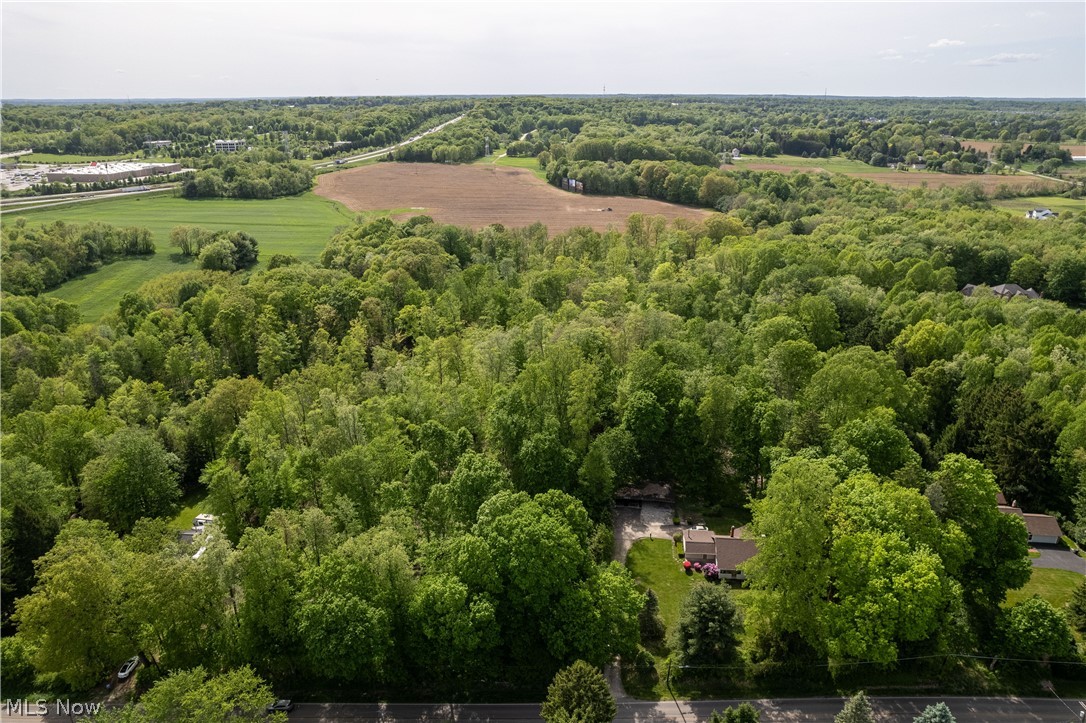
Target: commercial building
(228, 146)
(106, 172)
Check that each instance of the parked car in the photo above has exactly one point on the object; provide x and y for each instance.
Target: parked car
(280, 706)
(126, 669)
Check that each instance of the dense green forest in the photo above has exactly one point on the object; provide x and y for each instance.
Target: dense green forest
(36, 259)
(311, 125)
(412, 446)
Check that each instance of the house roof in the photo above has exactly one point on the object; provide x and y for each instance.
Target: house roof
(1042, 525)
(650, 491)
(733, 551)
(1012, 290)
(1008, 510)
(1001, 499)
(698, 542)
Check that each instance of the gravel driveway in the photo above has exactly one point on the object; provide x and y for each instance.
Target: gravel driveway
(632, 524)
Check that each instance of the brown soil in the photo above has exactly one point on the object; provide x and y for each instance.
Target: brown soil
(480, 195)
(912, 179)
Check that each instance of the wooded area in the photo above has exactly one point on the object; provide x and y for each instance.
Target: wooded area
(411, 447)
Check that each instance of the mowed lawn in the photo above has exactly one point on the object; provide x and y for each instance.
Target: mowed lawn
(298, 225)
(1055, 586)
(1053, 203)
(654, 564)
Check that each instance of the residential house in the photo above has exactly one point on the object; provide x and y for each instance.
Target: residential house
(1041, 214)
(1042, 529)
(1004, 291)
(728, 552)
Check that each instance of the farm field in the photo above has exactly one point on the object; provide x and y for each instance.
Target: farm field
(897, 179)
(298, 225)
(1055, 203)
(481, 194)
(1077, 149)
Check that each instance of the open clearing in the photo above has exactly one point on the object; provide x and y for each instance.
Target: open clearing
(897, 179)
(479, 195)
(298, 225)
(1077, 149)
(1054, 203)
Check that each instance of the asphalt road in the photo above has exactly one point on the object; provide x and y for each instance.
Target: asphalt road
(383, 151)
(812, 710)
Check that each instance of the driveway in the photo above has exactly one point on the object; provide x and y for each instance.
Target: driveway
(1059, 558)
(632, 524)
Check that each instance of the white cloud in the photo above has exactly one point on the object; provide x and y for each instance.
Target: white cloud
(1004, 58)
(945, 43)
(890, 54)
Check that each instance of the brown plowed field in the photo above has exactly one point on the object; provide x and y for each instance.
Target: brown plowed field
(912, 179)
(477, 196)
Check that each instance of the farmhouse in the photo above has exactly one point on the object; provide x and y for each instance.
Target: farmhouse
(701, 544)
(1041, 214)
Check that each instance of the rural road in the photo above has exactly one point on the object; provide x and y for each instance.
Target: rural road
(813, 710)
(793, 710)
(383, 151)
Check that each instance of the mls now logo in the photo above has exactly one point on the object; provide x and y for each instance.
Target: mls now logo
(22, 706)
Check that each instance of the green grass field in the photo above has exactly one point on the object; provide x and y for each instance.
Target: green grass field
(1055, 203)
(833, 164)
(192, 505)
(654, 564)
(1055, 586)
(496, 159)
(298, 225)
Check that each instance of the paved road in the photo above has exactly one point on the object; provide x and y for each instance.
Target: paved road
(383, 151)
(30, 203)
(1060, 558)
(808, 710)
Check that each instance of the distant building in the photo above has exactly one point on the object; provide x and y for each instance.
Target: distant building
(158, 144)
(106, 172)
(1004, 291)
(1041, 214)
(228, 146)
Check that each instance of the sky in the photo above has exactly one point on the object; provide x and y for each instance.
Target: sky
(61, 50)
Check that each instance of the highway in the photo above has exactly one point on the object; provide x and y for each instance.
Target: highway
(382, 151)
(27, 203)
